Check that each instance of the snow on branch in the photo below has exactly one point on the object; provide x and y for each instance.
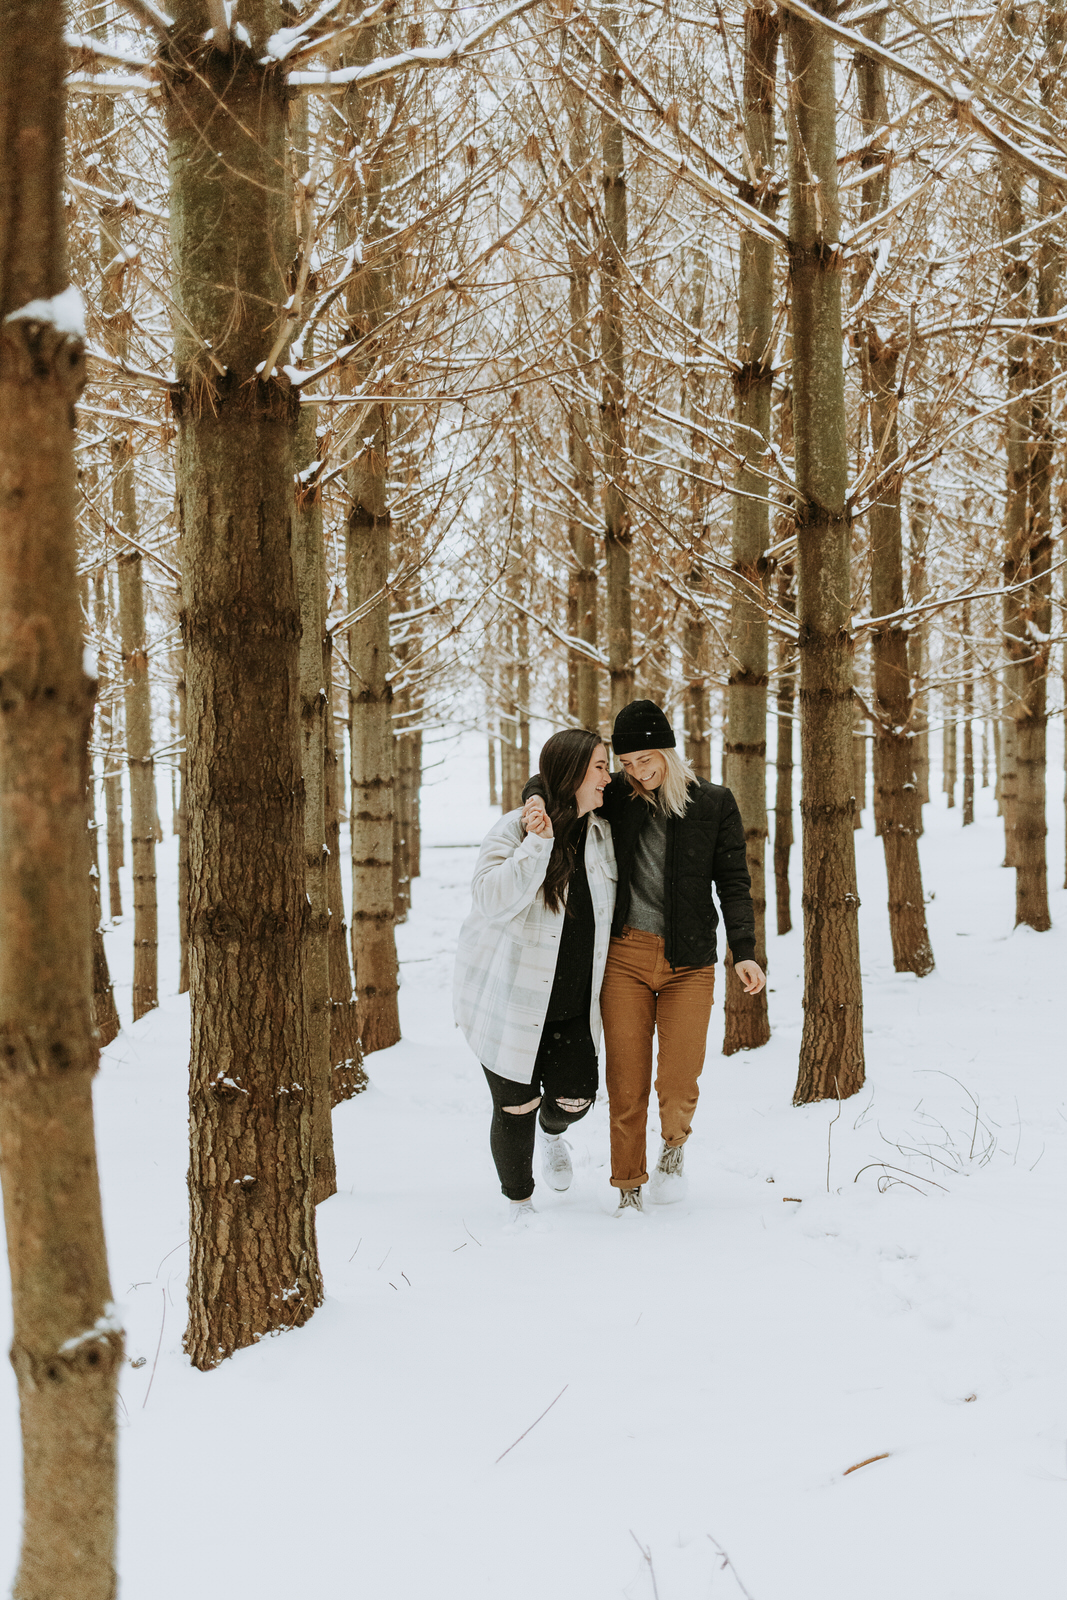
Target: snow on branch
(671, 162)
(957, 96)
(112, 84)
(86, 51)
(444, 55)
(65, 312)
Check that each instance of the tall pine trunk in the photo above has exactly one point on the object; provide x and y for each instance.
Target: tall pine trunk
(1035, 607)
(617, 531)
(783, 788)
(253, 1258)
(747, 1023)
(67, 1344)
(897, 797)
(137, 692)
(348, 1076)
(695, 662)
(311, 585)
(369, 542)
(831, 1052)
(583, 670)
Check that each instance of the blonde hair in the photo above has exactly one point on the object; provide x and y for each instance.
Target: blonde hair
(672, 796)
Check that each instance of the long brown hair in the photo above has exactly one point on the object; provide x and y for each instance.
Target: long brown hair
(563, 764)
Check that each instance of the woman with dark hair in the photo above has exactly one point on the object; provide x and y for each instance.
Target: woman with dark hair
(677, 838)
(529, 964)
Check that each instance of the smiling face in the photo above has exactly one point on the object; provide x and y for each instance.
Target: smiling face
(590, 792)
(646, 769)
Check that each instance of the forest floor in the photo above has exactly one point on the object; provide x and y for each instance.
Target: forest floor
(604, 1409)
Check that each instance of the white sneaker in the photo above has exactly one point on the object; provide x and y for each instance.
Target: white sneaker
(556, 1166)
(523, 1217)
(630, 1204)
(669, 1183)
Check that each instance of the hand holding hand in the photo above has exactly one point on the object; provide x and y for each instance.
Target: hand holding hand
(751, 975)
(535, 818)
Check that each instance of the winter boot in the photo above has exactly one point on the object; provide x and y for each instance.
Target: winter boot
(630, 1203)
(669, 1182)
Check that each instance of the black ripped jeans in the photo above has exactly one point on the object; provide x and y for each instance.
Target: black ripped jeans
(566, 1069)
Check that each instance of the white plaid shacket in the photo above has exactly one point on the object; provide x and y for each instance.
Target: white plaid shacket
(506, 954)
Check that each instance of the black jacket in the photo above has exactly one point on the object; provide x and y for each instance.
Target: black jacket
(705, 846)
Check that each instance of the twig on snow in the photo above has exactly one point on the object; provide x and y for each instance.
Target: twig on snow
(533, 1425)
(858, 1464)
(726, 1562)
(647, 1554)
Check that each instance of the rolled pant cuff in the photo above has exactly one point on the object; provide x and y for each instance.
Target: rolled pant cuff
(629, 1183)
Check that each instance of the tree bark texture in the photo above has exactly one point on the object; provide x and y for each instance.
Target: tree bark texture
(949, 745)
(745, 747)
(67, 1345)
(253, 1258)
(310, 560)
(968, 718)
(695, 652)
(1012, 221)
(618, 534)
(369, 541)
(181, 820)
(783, 791)
(105, 1012)
(348, 1077)
(831, 1052)
(581, 522)
(897, 797)
(1035, 602)
(137, 693)
(919, 528)
(136, 686)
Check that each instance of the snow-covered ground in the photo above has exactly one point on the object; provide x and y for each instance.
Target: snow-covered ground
(884, 1279)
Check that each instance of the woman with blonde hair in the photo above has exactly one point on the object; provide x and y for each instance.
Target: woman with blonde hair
(676, 838)
(529, 965)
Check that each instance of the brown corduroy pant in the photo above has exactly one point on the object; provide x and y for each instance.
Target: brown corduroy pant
(641, 994)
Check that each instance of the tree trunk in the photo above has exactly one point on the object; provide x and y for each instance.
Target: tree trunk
(181, 820)
(949, 745)
(311, 587)
(137, 692)
(253, 1259)
(67, 1345)
(831, 1052)
(783, 793)
(695, 659)
(494, 789)
(617, 531)
(897, 802)
(1035, 602)
(746, 1023)
(968, 719)
(919, 526)
(348, 1077)
(105, 1012)
(584, 672)
(369, 540)
(1012, 220)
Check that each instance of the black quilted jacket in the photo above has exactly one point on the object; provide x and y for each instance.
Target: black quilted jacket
(705, 846)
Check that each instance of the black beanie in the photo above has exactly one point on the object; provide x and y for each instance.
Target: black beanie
(641, 726)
